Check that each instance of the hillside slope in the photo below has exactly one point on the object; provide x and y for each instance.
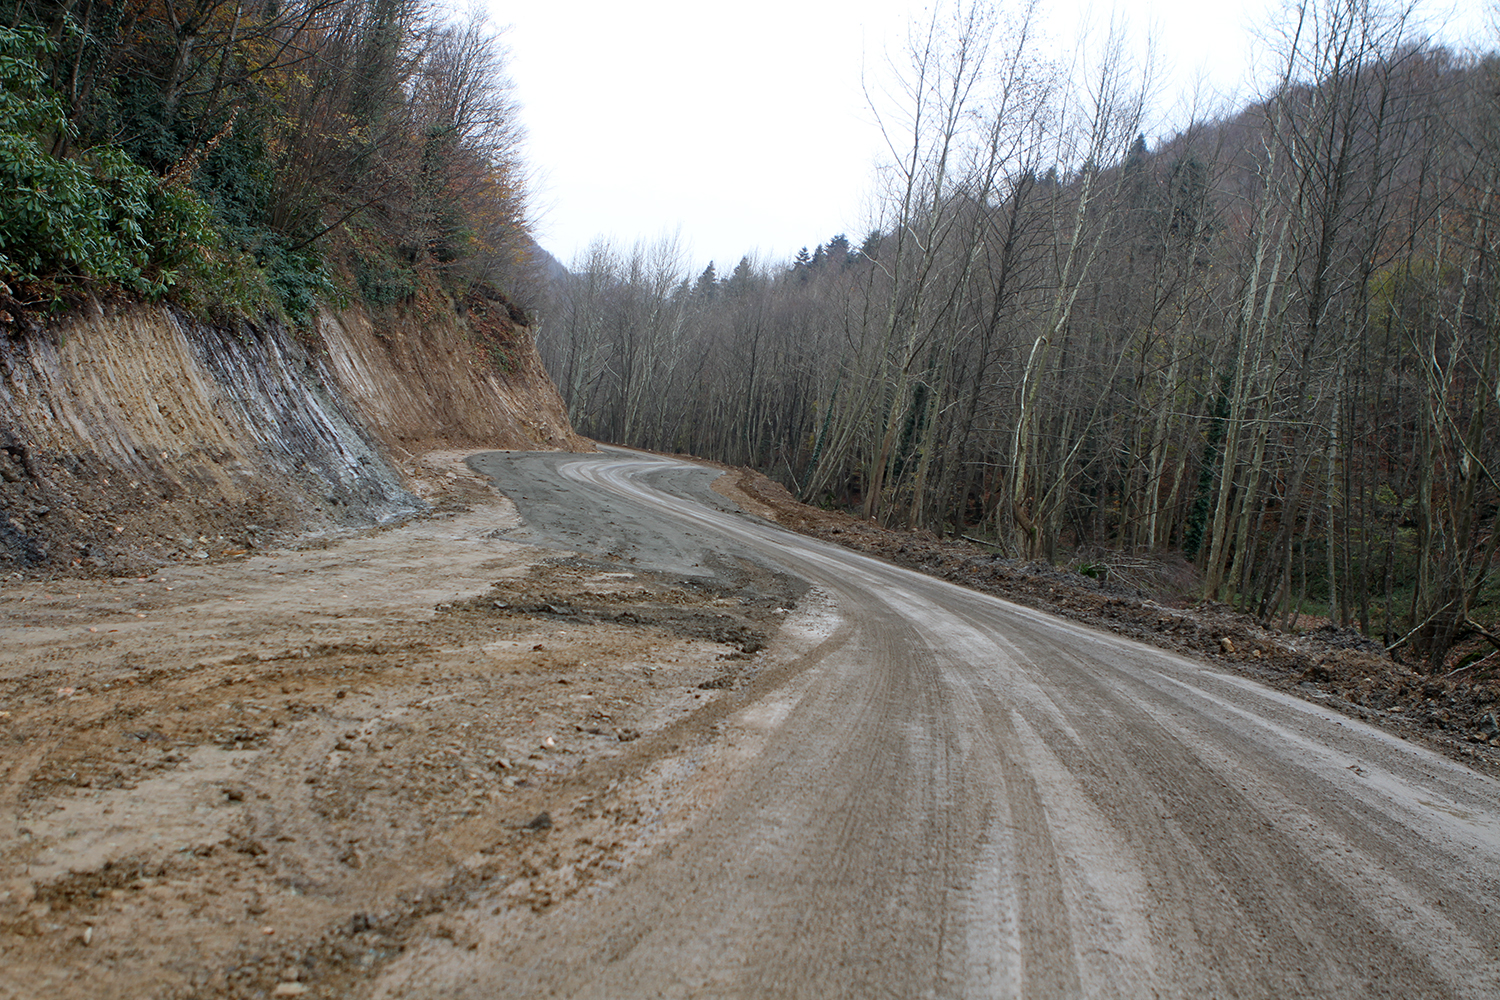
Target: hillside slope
(135, 435)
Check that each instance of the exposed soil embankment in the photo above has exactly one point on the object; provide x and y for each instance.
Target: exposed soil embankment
(135, 436)
(475, 381)
(1458, 711)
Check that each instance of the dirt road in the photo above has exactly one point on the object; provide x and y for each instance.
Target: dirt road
(681, 752)
(949, 795)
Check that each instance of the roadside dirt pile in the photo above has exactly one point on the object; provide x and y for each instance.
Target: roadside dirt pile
(135, 436)
(1458, 712)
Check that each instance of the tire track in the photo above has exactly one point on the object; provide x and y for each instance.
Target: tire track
(968, 799)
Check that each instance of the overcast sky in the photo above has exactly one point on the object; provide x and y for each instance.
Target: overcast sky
(743, 127)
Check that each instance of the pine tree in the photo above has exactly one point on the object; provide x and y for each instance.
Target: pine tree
(839, 253)
(707, 284)
(802, 263)
(739, 281)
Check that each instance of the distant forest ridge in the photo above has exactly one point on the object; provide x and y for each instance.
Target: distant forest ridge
(1270, 344)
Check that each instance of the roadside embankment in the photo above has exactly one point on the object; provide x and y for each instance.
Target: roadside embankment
(133, 436)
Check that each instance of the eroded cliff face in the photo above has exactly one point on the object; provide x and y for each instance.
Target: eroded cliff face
(476, 382)
(135, 435)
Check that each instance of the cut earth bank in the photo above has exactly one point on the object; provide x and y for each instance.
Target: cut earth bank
(272, 774)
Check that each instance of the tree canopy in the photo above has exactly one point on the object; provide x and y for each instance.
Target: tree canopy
(255, 155)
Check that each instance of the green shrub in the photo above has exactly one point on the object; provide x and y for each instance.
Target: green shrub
(382, 281)
(97, 215)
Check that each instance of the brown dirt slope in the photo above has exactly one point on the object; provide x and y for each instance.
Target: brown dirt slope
(476, 381)
(132, 436)
(1457, 712)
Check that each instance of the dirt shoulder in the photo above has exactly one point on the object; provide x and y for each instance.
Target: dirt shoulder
(1457, 714)
(224, 779)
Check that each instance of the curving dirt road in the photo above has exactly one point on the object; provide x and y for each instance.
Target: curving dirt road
(940, 794)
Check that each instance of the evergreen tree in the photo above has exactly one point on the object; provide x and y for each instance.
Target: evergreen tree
(838, 251)
(739, 281)
(707, 284)
(1188, 189)
(802, 263)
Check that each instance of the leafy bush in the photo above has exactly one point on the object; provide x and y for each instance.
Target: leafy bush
(382, 281)
(295, 275)
(99, 215)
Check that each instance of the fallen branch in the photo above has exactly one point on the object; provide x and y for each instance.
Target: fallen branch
(1408, 636)
(1471, 666)
(1481, 630)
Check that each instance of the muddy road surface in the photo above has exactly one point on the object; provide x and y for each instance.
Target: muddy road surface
(946, 795)
(609, 736)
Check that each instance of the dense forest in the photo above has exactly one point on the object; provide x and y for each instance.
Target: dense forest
(253, 156)
(1270, 343)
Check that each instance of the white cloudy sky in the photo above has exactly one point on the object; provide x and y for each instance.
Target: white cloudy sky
(743, 127)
